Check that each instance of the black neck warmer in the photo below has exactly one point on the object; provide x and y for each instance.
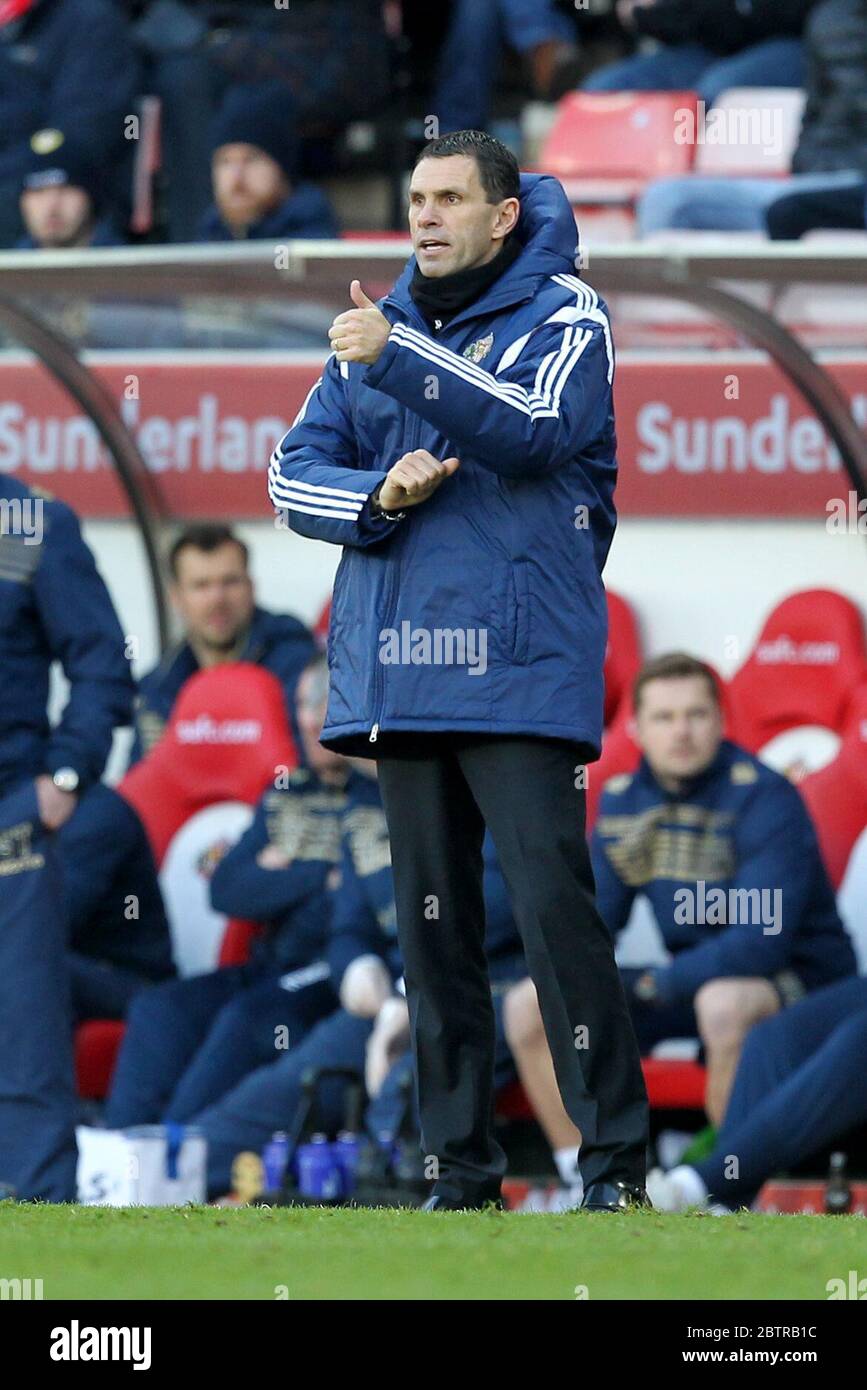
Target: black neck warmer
(443, 296)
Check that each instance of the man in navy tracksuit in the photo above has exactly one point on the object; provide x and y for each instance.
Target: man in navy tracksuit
(188, 1042)
(460, 447)
(213, 594)
(53, 607)
(723, 849)
(119, 934)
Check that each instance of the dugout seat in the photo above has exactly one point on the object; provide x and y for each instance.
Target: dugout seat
(622, 654)
(194, 794)
(836, 797)
(799, 679)
(671, 1085)
(226, 741)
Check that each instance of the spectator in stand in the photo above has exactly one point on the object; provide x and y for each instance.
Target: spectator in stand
(66, 64)
(328, 61)
(213, 594)
(724, 851)
(799, 1087)
(190, 1041)
(543, 35)
(119, 934)
(709, 45)
(829, 167)
(255, 173)
(63, 198)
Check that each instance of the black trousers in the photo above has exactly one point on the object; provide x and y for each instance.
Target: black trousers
(439, 793)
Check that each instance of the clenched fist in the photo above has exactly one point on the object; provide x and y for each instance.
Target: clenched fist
(359, 335)
(413, 479)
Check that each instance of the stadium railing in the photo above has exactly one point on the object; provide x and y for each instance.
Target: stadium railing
(716, 276)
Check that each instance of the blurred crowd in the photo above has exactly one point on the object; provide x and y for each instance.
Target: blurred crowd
(256, 99)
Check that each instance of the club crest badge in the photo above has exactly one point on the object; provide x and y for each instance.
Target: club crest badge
(479, 349)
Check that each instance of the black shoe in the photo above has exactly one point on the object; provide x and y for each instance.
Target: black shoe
(614, 1196)
(437, 1202)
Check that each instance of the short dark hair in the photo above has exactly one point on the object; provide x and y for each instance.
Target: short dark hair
(499, 174)
(207, 536)
(674, 666)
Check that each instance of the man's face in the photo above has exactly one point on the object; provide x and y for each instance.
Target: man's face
(248, 183)
(213, 595)
(57, 216)
(451, 223)
(678, 726)
(311, 702)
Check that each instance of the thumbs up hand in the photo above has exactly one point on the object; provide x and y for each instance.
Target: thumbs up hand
(359, 334)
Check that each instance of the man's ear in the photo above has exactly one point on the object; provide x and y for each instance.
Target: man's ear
(509, 213)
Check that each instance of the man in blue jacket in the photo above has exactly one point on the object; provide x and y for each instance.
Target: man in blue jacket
(213, 595)
(724, 851)
(460, 447)
(53, 607)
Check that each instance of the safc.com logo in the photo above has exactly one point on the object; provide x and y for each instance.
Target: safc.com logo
(729, 443)
(785, 651)
(208, 730)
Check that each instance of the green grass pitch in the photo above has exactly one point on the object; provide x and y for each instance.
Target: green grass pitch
(314, 1253)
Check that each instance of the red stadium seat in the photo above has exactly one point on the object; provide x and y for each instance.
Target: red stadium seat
(226, 742)
(98, 1041)
(620, 753)
(320, 630)
(605, 146)
(836, 795)
(808, 658)
(96, 1047)
(670, 1086)
(622, 655)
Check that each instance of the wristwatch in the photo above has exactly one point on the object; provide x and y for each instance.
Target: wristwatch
(66, 779)
(377, 510)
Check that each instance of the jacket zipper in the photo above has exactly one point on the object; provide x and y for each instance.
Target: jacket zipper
(378, 692)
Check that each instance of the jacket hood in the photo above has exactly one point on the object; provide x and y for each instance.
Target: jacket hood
(548, 233)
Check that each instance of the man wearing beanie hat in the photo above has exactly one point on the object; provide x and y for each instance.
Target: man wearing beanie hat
(63, 197)
(254, 172)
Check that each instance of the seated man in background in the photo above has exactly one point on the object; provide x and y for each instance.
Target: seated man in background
(189, 1041)
(254, 170)
(63, 197)
(709, 46)
(723, 849)
(119, 934)
(830, 161)
(725, 852)
(799, 1087)
(213, 594)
